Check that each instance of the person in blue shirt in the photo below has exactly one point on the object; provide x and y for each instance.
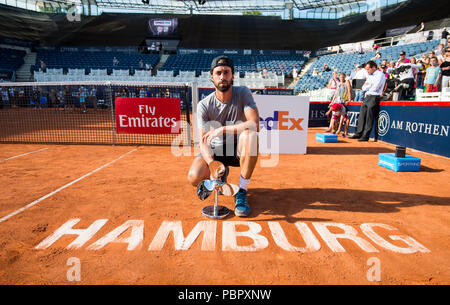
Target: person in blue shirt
(433, 73)
(82, 96)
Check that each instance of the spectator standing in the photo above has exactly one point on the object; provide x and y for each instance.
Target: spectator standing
(295, 73)
(82, 97)
(115, 62)
(142, 92)
(383, 69)
(415, 70)
(333, 84)
(36, 98)
(148, 67)
(93, 97)
(342, 96)
(370, 108)
(422, 26)
(360, 49)
(445, 67)
(444, 37)
(53, 100)
(432, 76)
(43, 66)
(265, 72)
(315, 72)
(420, 74)
(405, 74)
(391, 67)
(361, 73)
(141, 64)
(426, 63)
(68, 101)
(440, 53)
(402, 58)
(4, 98)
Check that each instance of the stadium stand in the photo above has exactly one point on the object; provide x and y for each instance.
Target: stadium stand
(280, 64)
(346, 63)
(74, 65)
(10, 61)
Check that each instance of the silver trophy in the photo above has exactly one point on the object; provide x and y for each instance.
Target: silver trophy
(219, 186)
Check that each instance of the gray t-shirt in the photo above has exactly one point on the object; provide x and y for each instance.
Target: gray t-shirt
(211, 112)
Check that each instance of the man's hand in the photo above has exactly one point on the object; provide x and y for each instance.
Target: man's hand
(207, 137)
(217, 169)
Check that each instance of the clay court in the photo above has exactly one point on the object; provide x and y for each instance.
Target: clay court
(334, 187)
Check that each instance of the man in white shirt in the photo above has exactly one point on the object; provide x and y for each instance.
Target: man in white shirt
(360, 74)
(373, 88)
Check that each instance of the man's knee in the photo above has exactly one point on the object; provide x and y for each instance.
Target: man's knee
(193, 178)
(248, 142)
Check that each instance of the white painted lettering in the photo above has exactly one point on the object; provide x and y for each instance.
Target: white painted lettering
(414, 246)
(312, 244)
(349, 233)
(181, 243)
(134, 241)
(66, 229)
(229, 236)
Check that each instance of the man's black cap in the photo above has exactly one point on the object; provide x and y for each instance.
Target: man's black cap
(222, 61)
(402, 53)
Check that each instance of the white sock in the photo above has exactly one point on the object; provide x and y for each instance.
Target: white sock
(243, 183)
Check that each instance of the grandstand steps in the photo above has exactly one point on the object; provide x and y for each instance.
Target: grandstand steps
(308, 65)
(305, 69)
(162, 61)
(23, 74)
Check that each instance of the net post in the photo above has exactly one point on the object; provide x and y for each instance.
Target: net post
(113, 129)
(186, 104)
(194, 112)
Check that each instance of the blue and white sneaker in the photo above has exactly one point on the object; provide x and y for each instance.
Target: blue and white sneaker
(241, 208)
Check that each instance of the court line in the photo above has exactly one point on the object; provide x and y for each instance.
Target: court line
(62, 187)
(21, 155)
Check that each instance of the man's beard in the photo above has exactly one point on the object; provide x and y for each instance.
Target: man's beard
(223, 86)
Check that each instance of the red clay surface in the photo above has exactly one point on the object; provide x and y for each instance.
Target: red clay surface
(333, 183)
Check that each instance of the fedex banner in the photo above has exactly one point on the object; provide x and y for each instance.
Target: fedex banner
(283, 123)
(148, 115)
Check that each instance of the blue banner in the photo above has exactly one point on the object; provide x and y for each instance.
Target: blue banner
(425, 128)
(17, 42)
(128, 50)
(204, 92)
(183, 51)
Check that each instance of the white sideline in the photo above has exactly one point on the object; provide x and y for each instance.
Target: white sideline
(62, 187)
(21, 155)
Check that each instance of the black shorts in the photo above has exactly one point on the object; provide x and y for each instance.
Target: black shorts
(227, 154)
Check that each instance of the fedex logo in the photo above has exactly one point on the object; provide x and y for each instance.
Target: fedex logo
(281, 121)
